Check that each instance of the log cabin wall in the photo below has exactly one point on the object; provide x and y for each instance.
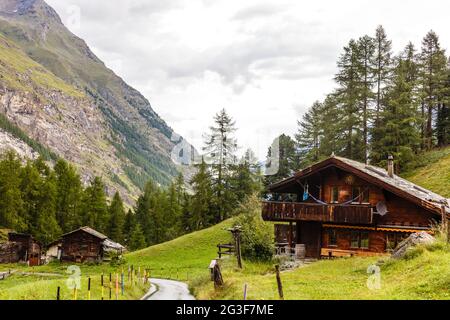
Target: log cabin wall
(81, 246)
(376, 240)
(400, 211)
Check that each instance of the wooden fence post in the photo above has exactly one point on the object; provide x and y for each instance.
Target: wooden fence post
(103, 286)
(122, 283)
(245, 291)
(117, 286)
(58, 292)
(279, 284)
(89, 289)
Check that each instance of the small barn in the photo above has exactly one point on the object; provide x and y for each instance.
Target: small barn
(87, 245)
(21, 247)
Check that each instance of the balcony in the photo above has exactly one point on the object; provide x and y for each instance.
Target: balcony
(295, 211)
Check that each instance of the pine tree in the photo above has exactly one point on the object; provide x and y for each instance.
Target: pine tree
(348, 99)
(433, 75)
(443, 116)
(38, 185)
(130, 221)
(366, 52)
(117, 219)
(400, 136)
(11, 202)
(137, 239)
(69, 196)
(382, 67)
(245, 181)
(95, 208)
(310, 132)
(220, 147)
(201, 215)
(283, 157)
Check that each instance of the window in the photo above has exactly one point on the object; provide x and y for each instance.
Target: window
(364, 240)
(354, 242)
(334, 194)
(360, 195)
(394, 239)
(359, 240)
(332, 238)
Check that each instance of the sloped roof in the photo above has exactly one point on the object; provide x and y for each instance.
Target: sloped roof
(109, 244)
(378, 176)
(90, 231)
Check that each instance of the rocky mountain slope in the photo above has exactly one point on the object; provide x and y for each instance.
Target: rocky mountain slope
(58, 99)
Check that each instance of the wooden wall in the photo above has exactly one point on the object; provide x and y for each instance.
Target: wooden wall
(81, 246)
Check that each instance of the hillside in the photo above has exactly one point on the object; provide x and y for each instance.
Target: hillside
(65, 101)
(435, 173)
(425, 275)
(193, 251)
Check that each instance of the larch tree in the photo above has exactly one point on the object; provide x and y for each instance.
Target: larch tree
(433, 76)
(220, 148)
(11, 202)
(116, 219)
(310, 132)
(399, 126)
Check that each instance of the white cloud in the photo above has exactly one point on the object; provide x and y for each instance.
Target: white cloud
(265, 61)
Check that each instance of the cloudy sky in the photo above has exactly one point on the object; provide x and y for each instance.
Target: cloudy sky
(266, 62)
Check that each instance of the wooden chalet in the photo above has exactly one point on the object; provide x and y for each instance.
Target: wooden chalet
(86, 245)
(341, 207)
(21, 247)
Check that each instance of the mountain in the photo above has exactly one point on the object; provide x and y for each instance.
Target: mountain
(58, 99)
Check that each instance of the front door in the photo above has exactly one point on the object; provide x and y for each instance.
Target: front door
(310, 234)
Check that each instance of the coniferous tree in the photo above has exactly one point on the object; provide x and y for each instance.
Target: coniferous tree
(310, 132)
(95, 208)
(201, 214)
(284, 159)
(38, 187)
(443, 116)
(366, 52)
(245, 180)
(433, 75)
(69, 196)
(400, 120)
(220, 147)
(347, 97)
(137, 239)
(11, 202)
(382, 66)
(116, 219)
(130, 221)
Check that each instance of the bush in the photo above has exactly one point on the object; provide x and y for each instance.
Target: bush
(257, 235)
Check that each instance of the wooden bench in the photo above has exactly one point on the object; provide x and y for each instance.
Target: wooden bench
(337, 253)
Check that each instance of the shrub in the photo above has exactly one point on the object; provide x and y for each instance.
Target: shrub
(257, 235)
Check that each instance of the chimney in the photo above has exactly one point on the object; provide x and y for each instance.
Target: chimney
(390, 166)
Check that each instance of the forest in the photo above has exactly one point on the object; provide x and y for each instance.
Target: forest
(383, 104)
(48, 202)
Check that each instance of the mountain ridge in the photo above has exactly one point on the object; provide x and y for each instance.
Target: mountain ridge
(122, 122)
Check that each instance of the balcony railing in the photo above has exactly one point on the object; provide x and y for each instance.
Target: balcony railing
(295, 211)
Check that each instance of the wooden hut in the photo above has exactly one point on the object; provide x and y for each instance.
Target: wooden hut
(341, 207)
(21, 247)
(87, 245)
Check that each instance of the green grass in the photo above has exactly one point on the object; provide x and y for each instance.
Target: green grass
(16, 67)
(186, 259)
(426, 276)
(434, 174)
(31, 287)
(192, 252)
